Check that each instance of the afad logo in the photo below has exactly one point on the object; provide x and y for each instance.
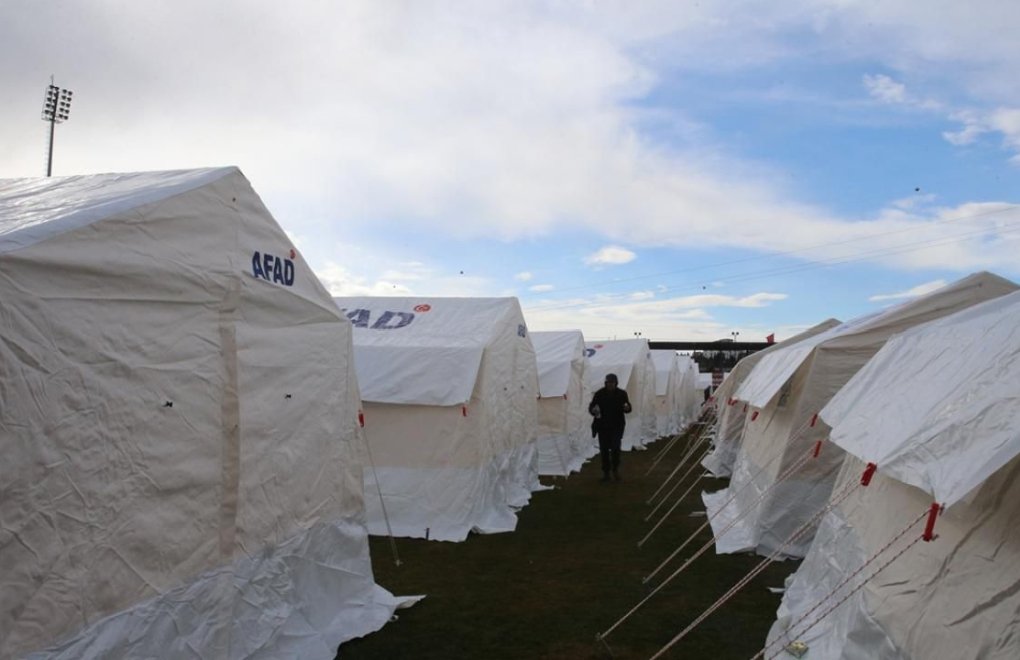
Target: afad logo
(588, 352)
(271, 268)
(388, 320)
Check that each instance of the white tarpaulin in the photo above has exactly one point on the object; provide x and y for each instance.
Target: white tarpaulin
(631, 361)
(668, 393)
(691, 396)
(177, 424)
(450, 388)
(564, 436)
(784, 431)
(733, 412)
(936, 408)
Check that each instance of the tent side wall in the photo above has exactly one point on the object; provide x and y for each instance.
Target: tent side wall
(438, 480)
(564, 426)
(508, 383)
(142, 434)
(953, 598)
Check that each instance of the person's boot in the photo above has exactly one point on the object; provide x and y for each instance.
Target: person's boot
(616, 475)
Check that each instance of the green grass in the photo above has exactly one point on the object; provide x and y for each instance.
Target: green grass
(570, 570)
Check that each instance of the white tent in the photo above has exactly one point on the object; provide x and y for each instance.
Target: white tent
(564, 435)
(631, 361)
(936, 410)
(731, 417)
(450, 388)
(177, 413)
(668, 393)
(691, 396)
(787, 389)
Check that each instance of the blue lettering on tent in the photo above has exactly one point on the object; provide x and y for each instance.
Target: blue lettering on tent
(385, 322)
(267, 267)
(278, 271)
(521, 330)
(588, 352)
(359, 317)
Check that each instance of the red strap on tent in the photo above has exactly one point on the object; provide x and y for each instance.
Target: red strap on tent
(745, 407)
(814, 418)
(818, 449)
(731, 402)
(564, 396)
(361, 419)
(754, 415)
(929, 527)
(463, 411)
(869, 472)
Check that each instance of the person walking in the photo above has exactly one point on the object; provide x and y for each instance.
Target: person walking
(609, 406)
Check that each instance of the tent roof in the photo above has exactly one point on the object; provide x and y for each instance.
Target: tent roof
(555, 352)
(937, 406)
(32, 210)
(744, 367)
(425, 351)
(868, 332)
(618, 356)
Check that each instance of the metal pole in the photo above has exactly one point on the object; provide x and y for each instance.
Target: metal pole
(49, 158)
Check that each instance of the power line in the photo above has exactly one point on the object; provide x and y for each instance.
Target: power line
(616, 299)
(774, 255)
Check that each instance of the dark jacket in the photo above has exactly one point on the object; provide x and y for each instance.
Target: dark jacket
(613, 405)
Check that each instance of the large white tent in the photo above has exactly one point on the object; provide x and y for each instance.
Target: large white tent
(564, 435)
(936, 411)
(668, 393)
(729, 426)
(775, 487)
(450, 387)
(691, 396)
(178, 415)
(631, 361)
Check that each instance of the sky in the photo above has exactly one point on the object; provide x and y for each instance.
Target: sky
(675, 170)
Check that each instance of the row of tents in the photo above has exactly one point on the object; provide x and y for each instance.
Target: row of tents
(465, 407)
(884, 452)
(198, 438)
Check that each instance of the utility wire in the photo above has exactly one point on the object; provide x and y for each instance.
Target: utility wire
(796, 251)
(616, 299)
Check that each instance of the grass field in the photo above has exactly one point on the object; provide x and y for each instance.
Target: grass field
(570, 570)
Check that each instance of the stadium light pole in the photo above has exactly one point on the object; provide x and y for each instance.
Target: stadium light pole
(56, 110)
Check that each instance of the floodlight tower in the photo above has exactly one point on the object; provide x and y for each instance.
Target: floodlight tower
(56, 110)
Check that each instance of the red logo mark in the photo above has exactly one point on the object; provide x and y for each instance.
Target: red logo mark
(293, 253)
(599, 345)
(421, 309)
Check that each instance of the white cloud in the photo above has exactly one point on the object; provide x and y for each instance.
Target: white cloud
(493, 120)
(339, 281)
(541, 288)
(974, 123)
(523, 276)
(611, 255)
(681, 317)
(886, 89)
(919, 290)
(368, 276)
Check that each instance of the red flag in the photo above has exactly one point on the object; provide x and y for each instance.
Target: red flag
(771, 339)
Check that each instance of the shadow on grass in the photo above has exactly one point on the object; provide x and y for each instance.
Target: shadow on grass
(570, 570)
